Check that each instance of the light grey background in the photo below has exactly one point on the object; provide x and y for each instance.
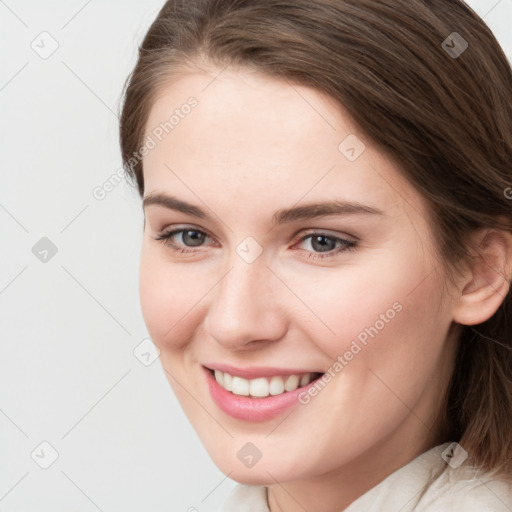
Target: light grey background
(70, 325)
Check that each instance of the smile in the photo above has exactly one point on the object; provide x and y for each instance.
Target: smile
(256, 394)
(263, 386)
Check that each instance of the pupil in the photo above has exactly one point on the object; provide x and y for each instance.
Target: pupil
(196, 238)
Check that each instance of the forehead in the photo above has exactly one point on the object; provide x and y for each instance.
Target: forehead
(240, 115)
(265, 138)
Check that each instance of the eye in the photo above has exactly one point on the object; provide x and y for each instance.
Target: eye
(327, 245)
(323, 245)
(190, 237)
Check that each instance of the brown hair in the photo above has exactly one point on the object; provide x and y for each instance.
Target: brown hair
(444, 117)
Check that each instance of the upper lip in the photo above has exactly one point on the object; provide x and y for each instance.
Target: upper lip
(255, 372)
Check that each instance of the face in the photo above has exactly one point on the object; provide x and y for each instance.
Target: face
(326, 326)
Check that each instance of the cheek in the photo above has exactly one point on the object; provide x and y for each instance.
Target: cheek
(389, 308)
(167, 298)
(391, 338)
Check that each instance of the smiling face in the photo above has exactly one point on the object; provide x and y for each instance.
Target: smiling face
(259, 286)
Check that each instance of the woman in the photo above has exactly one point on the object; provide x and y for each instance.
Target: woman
(327, 246)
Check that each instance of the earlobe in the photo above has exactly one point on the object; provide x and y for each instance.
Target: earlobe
(488, 279)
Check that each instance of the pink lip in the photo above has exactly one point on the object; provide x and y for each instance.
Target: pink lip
(252, 409)
(257, 371)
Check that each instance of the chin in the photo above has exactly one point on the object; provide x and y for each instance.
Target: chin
(265, 471)
(247, 477)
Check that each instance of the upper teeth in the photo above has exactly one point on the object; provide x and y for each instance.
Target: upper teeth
(262, 386)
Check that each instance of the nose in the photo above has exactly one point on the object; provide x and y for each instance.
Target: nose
(246, 306)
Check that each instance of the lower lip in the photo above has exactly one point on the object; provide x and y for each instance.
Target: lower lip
(252, 409)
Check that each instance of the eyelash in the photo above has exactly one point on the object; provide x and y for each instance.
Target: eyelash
(347, 245)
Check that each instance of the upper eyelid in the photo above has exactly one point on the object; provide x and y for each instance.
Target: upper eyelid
(179, 229)
(309, 232)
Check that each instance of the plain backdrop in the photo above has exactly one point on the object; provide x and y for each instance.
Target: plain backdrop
(86, 422)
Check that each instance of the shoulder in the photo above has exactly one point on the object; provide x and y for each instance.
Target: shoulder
(246, 498)
(467, 489)
(431, 484)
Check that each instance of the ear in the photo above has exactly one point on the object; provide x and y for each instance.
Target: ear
(487, 281)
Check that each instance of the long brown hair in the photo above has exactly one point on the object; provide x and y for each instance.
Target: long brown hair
(439, 103)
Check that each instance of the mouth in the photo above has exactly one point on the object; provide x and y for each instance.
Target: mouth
(257, 394)
(262, 387)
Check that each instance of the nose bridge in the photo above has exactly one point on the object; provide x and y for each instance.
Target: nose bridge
(243, 307)
(245, 283)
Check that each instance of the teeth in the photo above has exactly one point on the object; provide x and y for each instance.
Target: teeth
(291, 383)
(240, 386)
(228, 382)
(261, 387)
(258, 387)
(305, 379)
(276, 386)
(219, 377)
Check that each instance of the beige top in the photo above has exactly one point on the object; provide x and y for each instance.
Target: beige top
(427, 483)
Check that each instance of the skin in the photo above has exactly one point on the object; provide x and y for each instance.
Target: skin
(252, 146)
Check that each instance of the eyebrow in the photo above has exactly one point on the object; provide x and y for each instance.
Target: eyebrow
(288, 215)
